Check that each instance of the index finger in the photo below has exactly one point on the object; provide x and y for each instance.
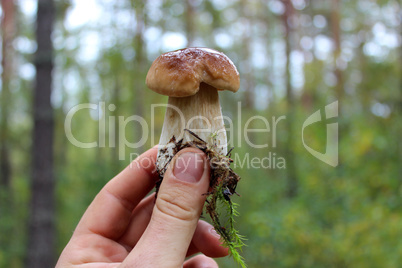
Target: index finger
(109, 214)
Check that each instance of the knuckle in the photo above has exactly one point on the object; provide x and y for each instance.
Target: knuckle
(173, 206)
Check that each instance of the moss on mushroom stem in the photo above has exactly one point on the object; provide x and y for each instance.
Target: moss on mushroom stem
(223, 182)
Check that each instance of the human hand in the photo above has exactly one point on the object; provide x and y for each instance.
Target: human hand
(124, 228)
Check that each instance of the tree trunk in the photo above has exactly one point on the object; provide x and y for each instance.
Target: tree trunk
(190, 23)
(8, 30)
(140, 66)
(336, 32)
(248, 66)
(115, 139)
(41, 222)
(399, 103)
(270, 22)
(292, 183)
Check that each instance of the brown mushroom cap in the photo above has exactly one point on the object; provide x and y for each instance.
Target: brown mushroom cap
(179, 73)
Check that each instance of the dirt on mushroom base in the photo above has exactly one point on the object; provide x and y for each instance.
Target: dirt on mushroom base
(223, 183)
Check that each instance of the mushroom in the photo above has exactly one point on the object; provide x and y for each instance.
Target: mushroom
(191, 78)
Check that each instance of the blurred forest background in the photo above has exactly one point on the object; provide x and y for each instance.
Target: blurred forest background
(294, 57)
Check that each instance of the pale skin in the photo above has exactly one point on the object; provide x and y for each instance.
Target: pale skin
(124, 228)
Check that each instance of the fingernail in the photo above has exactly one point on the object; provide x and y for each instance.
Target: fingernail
(189, 167)
(213, 231)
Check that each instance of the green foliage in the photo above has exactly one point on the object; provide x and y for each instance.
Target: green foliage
(226, 228)
(348, 216)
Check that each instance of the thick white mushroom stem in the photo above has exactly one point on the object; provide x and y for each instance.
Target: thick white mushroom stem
(200, 113)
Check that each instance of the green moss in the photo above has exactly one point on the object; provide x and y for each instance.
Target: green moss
(223, 183)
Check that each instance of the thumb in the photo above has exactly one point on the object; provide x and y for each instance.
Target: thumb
(176, 212)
